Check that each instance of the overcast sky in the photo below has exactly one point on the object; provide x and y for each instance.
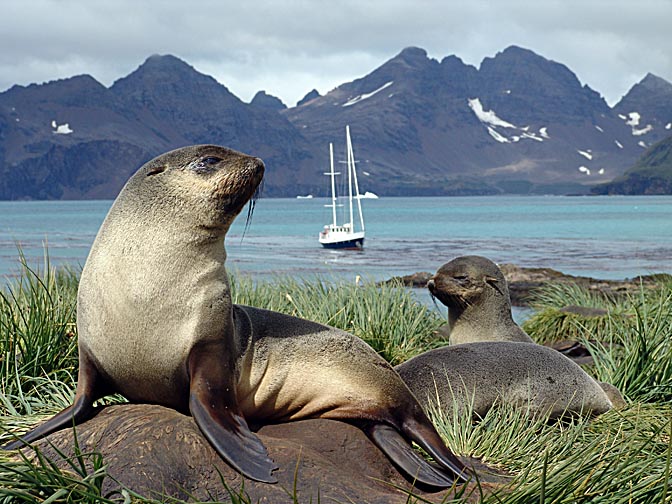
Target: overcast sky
(288, 47)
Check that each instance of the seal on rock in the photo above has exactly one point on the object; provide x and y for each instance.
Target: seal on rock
(524, 375)
(477, 296)
(156, 324)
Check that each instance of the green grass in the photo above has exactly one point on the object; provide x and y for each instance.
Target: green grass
(622, 456)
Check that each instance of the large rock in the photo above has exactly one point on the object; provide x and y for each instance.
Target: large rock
(153, 450)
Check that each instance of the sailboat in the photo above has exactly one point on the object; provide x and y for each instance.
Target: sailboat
(344, 236)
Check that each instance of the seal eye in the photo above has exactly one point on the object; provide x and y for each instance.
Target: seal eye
(208, 161)
(155, 170)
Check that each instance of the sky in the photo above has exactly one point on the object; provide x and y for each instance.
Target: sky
(289, 47)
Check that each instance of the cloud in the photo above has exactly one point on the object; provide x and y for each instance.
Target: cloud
(290, 47)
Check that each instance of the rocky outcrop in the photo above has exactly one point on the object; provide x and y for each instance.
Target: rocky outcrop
(156, 451)
(523, 281)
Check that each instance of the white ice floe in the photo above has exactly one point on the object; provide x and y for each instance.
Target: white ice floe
(601, 172)
(544, 132)
(668, 126)
(619, 144)
(487, 116)
(587, 154)
(599, 129)
(368, 195)
(642, 143)
(584, 169)
(61, 129)
(364, 96)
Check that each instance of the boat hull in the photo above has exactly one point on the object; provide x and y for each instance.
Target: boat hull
(354, 244)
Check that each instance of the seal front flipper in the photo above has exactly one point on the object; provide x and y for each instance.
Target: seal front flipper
(407, 460)
(80, 410)
(212, 402)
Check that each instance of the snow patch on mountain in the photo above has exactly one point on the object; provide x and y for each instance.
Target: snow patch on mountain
(487, 116)
(364, 96)
(633, 120)
(492, 121)
(61, 129)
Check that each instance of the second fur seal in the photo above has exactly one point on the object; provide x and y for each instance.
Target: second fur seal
(156, 323)
(477, 296)
(476, 376)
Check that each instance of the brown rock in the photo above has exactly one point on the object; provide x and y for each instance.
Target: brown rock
(154, 450)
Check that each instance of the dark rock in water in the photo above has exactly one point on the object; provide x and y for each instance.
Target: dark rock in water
(153, 450)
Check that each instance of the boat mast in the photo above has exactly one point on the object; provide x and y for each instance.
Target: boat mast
(350, 167)
(351, 158)
(333, 186)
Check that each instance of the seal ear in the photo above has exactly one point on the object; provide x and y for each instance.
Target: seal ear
(494, 283)
(155, 170)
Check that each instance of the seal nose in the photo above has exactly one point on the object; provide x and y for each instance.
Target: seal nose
(258, 165)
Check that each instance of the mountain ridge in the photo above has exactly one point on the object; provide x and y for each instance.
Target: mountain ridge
(518, 123)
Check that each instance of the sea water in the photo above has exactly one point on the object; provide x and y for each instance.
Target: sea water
(608, 237)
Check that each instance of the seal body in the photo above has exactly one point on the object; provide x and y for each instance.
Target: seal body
(524, 375)
(477, 296)
(156, 324)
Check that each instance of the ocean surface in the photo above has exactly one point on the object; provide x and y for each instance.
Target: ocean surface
(608, 237)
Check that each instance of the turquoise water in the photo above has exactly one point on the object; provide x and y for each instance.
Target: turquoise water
(607, 237)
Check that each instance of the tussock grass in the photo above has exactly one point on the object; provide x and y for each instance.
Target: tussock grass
(621, 456)
(552, 321)
(38, 343)
(387, 316)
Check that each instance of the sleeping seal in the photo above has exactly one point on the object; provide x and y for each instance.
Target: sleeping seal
(477, 296)
(525, 375)
(156, 324)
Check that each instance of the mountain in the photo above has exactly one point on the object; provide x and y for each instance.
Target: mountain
(652, 174)
(518, 123)
(74, 138)
(264, 100)
(647, 109)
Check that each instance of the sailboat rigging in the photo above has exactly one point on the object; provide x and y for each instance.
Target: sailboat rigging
(344, 236)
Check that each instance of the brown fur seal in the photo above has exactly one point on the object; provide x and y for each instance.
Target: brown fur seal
(477, 296)
(156, 324)
(524, 375)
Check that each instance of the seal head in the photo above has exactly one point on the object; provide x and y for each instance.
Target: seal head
(477, 296)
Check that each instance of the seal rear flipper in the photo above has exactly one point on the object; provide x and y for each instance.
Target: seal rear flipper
(212, 402)
(407, 460)
(424, 434)
(80, 410)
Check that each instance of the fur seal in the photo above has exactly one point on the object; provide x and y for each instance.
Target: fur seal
(477, 296)
(524, 375)
(156, 324)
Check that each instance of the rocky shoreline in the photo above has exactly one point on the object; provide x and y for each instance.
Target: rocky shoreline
(523, 281)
